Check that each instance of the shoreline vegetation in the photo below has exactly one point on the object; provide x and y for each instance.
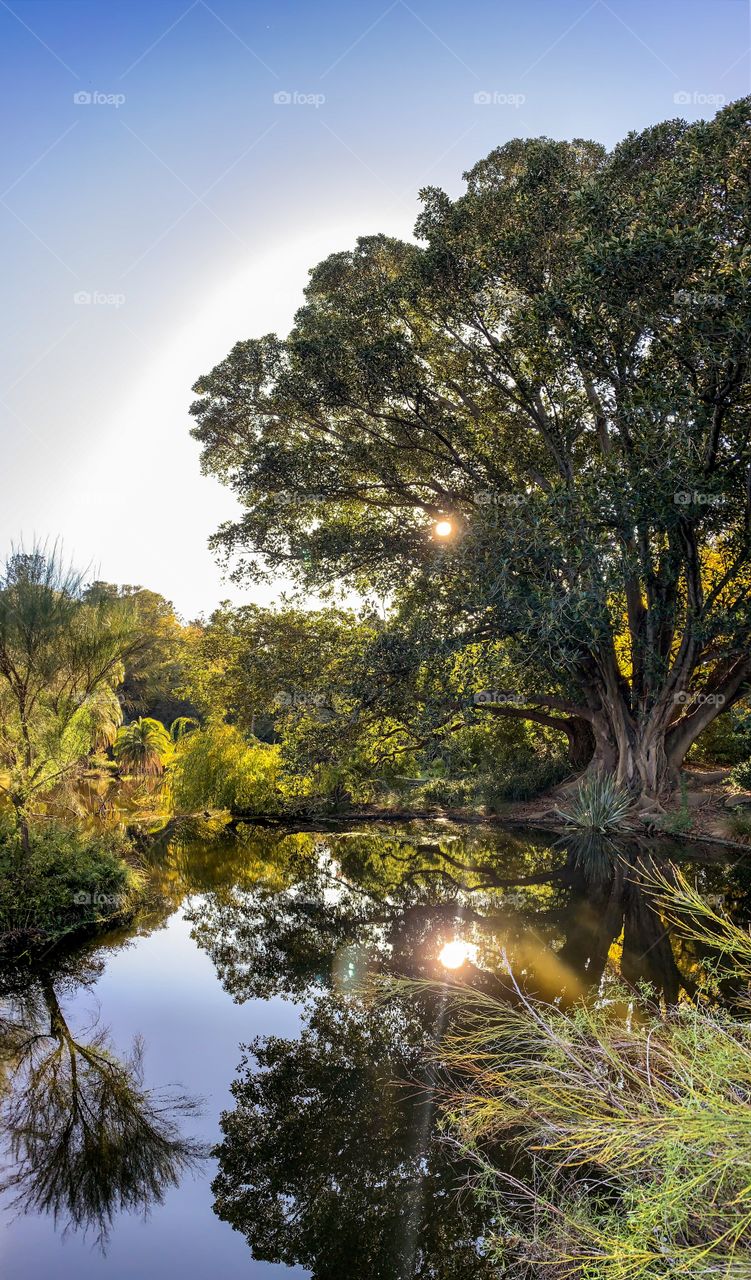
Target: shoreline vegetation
(63, 885)
(624, 1122)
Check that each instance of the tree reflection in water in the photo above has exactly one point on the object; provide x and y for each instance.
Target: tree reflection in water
(85, 1139)
(332, 1157)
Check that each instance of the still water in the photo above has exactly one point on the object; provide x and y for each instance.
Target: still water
(212, 1092)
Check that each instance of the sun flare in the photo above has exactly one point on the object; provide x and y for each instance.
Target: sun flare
(454, 954)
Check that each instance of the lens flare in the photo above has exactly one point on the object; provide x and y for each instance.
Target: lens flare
(443, 529)
(454, 954)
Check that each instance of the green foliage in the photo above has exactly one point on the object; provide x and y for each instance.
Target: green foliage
(740, 824)
(449, 793)
(680, 821)
(155, 675)
(66, 881)
(523, 778)
(61, 658)
(537, 368)
(143, 747)
(217, 768)
(741, 775)
(726, 741)
(598, 805)
(181, 726)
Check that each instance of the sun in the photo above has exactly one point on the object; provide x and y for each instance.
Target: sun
(443, 529)
(454, 954)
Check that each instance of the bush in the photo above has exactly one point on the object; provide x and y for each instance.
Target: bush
(740, 824)
(741, 775)
(523, 780)
(724, 742)
(448, 793)
(66, 881)
(217, 768)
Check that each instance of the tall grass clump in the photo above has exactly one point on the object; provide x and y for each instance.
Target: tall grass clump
(624, 1128)
(598, 805)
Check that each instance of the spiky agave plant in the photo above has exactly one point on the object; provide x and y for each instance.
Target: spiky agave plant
(599, 805)
(143, 747)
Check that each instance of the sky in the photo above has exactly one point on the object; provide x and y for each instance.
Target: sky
(170, 171)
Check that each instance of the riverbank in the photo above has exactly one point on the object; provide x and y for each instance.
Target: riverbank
(67, 884)
(705, 809)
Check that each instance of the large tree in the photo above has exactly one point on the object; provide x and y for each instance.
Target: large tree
(558, 370)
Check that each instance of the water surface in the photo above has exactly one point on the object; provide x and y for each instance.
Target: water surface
(231, 1020)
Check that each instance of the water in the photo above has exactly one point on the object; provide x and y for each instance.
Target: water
(328, 1164)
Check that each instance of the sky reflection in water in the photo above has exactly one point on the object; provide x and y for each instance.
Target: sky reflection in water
(328, 1165)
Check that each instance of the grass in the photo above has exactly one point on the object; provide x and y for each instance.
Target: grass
(67, 882)
(626, 1127)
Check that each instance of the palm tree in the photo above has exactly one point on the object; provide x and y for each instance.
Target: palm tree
(143, 747)
(181, 726)
(104, 716)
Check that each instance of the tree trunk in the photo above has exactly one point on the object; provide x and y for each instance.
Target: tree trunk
(22, 825)
(647, 759)
(581, 742)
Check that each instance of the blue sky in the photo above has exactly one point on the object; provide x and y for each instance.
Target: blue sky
(175, 206)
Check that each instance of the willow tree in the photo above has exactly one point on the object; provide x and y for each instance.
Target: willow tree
(558, 369)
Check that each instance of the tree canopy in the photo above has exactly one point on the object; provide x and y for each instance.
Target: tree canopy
(530, 428)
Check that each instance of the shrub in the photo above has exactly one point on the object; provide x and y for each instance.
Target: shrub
(740, 824)
(599, 805)
(741, 775)
(449, 793)
(523, 780)
(65, 882)
(725, 741)
(217, 768)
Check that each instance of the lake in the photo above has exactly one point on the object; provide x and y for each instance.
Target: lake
(218, 1089)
